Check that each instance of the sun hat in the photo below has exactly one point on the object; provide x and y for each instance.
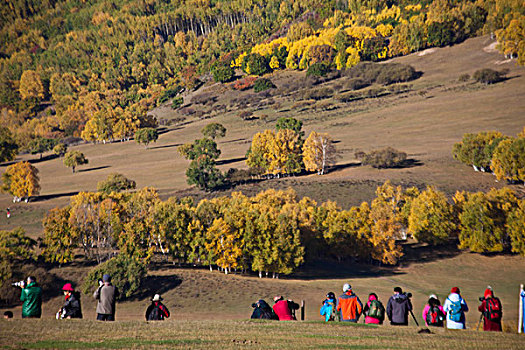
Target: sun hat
(68, 287)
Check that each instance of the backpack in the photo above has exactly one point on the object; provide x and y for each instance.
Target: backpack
(376, 310)
(155, 314)
(455, 310)
(493, 312)
(435, 317)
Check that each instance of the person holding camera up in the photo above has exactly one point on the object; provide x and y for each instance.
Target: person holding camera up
(491, 310)
(398, 307)
(455, 307)
(71, 308)
(285, 309)
(31, 297)
(107, 295)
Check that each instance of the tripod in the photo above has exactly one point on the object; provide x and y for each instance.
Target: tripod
(480, 318)
(414, 317)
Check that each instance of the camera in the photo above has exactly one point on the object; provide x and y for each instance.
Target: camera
(18, 284)
(409, 295)
(481, 298)
(254, 305)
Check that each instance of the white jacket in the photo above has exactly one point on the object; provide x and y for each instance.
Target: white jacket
(454, 297)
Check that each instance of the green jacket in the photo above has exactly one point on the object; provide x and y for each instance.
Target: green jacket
(32, 298)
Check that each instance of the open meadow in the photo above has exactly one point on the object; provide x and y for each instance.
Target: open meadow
(210, 309)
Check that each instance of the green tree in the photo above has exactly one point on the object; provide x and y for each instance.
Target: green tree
(516, 228)
(72, 159)
(202, 147)
(256, 64)
(15, 246)
(222, 72)
(146, 135)
(203, 173)
(41, 145)
(115, 183)
(291, 124)
(60, 149)
(8, 146)
(214, 130)
(508, 160)
(431, 217)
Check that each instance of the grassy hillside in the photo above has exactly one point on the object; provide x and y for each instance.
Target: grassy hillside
(424, 122)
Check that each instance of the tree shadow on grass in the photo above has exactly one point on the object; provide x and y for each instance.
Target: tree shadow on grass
(53, 196)
(339, 167)
(327, 269)
(93, 169)
(229, 161)
(152, 285)
(423, 253)
(166, 146)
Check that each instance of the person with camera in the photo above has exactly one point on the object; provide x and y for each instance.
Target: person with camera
(71, 308)
(349, 305)
(455, 307)
(263, 311)
(107, 295)
(284, 309)
(31, 297)
(398, 307)
(491, 310)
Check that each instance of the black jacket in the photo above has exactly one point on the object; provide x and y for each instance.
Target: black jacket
(72, 306)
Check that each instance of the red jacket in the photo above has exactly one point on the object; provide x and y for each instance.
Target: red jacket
(489, 325)
(283, 311)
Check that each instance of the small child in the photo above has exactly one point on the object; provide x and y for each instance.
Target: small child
(329, 307)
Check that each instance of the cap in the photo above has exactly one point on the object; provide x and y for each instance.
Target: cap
(432, 296)
(68, 287)
(277, 298)
(106, 278)
(398, 290)
(156, 297)
(346, 287)
(488, 293)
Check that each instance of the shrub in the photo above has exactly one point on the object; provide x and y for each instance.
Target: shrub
(488, 76)
(396, 73)
(355, 84)
(256, 64)
(385, 158)
(246, 115)
(126, 274)
(464, 78)
(222, 72)
(244, 83)
(319, 69)
(177, 102)
(263, 84)
(168, 93)
(318, 94)
(115, 183)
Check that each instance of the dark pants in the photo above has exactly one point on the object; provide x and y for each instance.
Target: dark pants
(105, 317)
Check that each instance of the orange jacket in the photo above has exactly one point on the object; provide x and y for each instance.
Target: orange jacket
(350, 306)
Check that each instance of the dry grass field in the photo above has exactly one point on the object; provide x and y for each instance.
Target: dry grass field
(424, 122)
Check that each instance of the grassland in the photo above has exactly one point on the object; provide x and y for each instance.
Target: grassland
(53, 334)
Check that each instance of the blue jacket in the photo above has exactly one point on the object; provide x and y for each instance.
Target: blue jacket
(329, 306)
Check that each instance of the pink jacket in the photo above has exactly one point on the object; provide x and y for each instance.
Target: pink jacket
(425, 312)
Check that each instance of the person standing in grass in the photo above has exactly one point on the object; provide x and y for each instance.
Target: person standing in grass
(398, 307)
(455, 307)
(107, 295)
(328, 307)
(32, 298)
(349, 305)
(492, 311)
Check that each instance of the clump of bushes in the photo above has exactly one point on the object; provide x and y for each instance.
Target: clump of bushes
(115, 183)
(263, 84)
(244, 83)
(355, 84)
(318, 94)
(177, 102)
(464, 78)
(168, 94)
(489, 76)
(127, 274)
(384, 158)
(384, 74)
(319, 69)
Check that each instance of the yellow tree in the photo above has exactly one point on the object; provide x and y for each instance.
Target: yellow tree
(21, 181)
(285, 152)
(59, 240)
(258, 156)
(431, 217)
(227, 244)
(318, 152)
(31, 85)
(516, 228)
